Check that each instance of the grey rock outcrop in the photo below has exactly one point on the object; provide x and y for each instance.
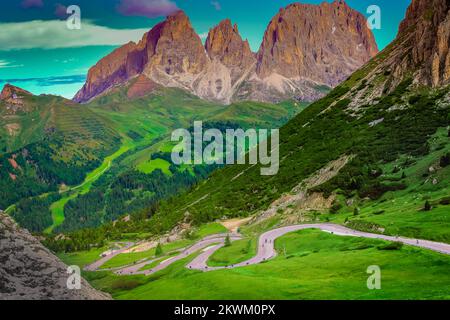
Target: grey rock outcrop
(29, 271)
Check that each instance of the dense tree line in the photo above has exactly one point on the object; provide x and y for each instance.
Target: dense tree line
(128, 193)
(40, 169)
(402, 132)
(34, 213)
(24, 181)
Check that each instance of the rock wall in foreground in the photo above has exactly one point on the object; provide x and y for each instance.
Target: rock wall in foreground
(29, 271)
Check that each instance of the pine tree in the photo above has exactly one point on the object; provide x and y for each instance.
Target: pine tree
(227, 241)
(445, 160)
(427, 206)
(158, 250)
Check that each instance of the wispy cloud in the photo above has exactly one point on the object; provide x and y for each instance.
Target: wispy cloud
(32, 4)
(55, 34)
(216, 5)
(65, 86)
(9, 64)
(50, 81)
(61, 11)
(203, 35)
(147, 8)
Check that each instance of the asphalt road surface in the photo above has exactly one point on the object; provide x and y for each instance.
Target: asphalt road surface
(265, 251)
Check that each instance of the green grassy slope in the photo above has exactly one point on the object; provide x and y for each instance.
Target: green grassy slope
(84, 149)
(402, 122)
(310, 265)
(149, 121)
(396, 182)
(56, 143)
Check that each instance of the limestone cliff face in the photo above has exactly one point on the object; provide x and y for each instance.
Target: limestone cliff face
(305, 47)
(225, 44)
(425, 36)
(174, 48)
(28, 271)
(322, 43)
(13, 95)
(171, 52)
(419, 53)
(108, 72)
(230, 63)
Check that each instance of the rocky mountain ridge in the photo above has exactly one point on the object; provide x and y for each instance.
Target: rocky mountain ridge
(13, 95)
(426, 32)
(305, 48)
(420, 53)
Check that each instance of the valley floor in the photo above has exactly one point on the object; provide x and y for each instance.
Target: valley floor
(310, 264)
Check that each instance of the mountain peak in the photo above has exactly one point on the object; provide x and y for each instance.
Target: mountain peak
(425, 43)
(11, 92)
(338, 3)
(319, 43)
(417, 10)
(170, 48)
(177, 15)
(304, 46)
(225, 44)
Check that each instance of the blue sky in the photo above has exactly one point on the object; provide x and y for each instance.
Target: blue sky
(39, 54)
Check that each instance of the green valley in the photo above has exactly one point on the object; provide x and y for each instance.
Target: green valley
(358, 207)
(143, 125)
(311, 265)
(373, 156)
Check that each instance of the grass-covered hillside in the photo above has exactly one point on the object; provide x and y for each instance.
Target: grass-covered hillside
(373, 155)
(310, 265)
(384, 141)
(80, 166)
(392, 131)
(49, 142)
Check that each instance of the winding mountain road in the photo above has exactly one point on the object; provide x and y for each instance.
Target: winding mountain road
(97, 264)
(266, 249)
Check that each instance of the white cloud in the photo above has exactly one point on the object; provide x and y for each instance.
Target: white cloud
(7, 64)
(54, 34)
(203, 35)
(216, 5)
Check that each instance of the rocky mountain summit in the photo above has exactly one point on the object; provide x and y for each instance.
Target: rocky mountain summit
(322, 43)
(30, 271)
(13, 95)
(225, 44)
(420, 53)
(426, 34)
(305, 48)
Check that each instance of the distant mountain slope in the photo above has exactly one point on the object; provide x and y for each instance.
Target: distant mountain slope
(118, 142)
(29, 271)
(144, 175)
(305, 48)
(47, 142)
(391, 109)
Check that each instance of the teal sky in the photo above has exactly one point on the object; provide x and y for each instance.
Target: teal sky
(39, 54)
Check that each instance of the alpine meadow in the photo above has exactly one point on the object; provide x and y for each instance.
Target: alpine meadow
(312, 164)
